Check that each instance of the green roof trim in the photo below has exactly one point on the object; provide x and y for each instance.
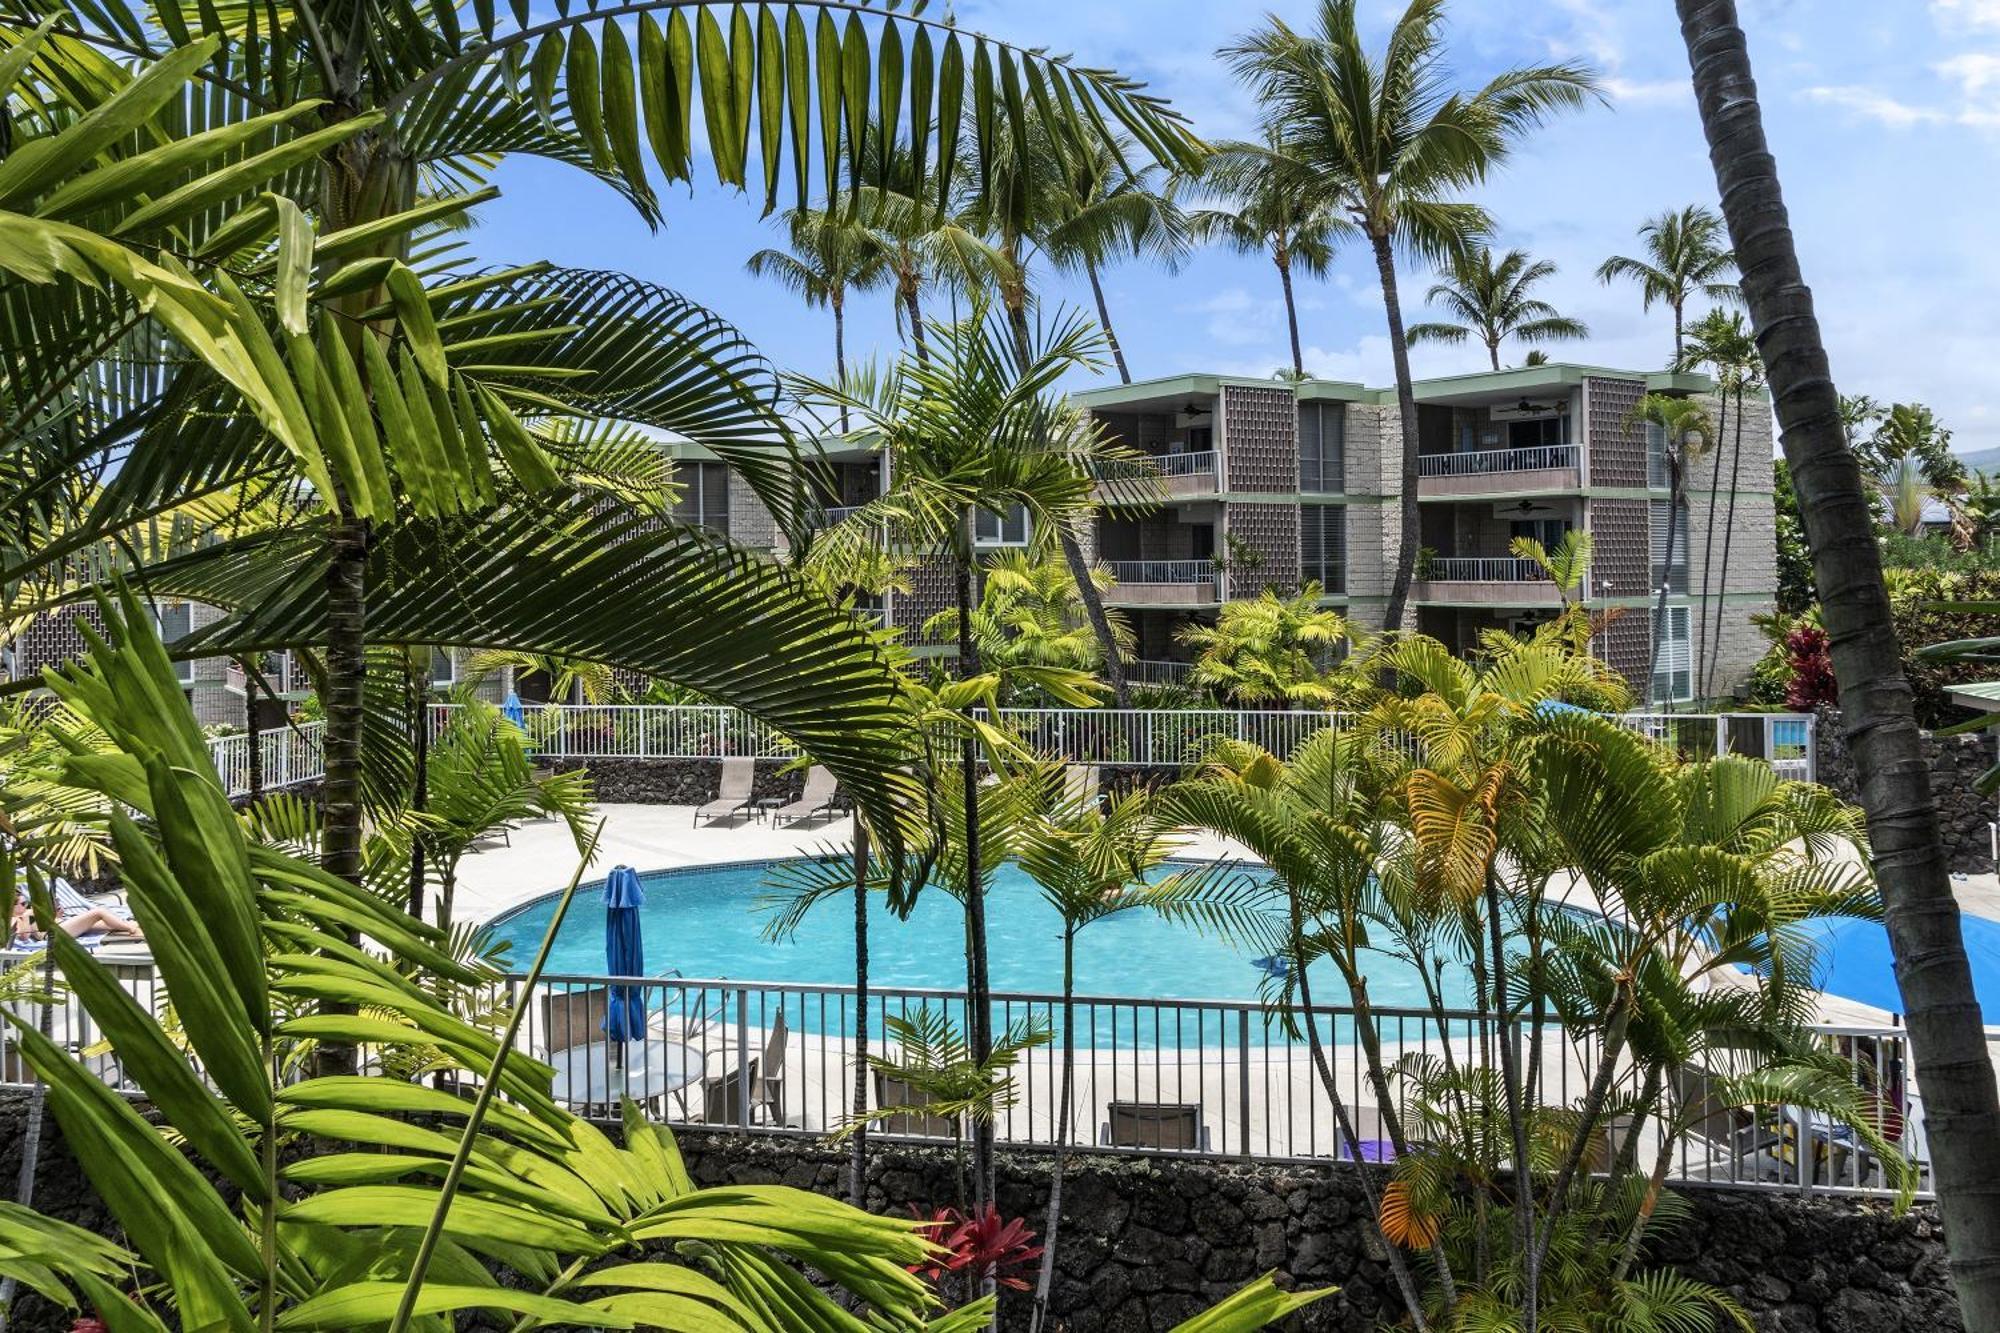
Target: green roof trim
(1520, 380)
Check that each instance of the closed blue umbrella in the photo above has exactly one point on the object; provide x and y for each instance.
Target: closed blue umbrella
(511, 710)
(624, 954)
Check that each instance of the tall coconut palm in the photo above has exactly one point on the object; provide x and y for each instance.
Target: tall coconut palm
(1390, 144)
(1260, 211)
(1490, 299)
(925, 247)
(1686, 432)
(1947, 1039)
(974, 426)
(1721, 341)
(1685, 257)
(830, 255)
(1107, 213)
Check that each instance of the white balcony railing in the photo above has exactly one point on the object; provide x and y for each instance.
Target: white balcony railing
(1162, 571)
(1537, 458)
(1485, 569)
(1155, 671)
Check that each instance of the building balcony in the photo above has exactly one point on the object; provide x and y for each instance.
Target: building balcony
(1179, 476)
(1162, 583)
(1557, 467)
(1486, 581)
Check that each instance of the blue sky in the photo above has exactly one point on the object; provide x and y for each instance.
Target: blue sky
(1885, 116)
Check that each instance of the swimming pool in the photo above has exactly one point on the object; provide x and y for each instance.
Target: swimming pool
(707, 922)
(1855, 961)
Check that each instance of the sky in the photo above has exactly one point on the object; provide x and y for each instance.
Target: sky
(1884, 115)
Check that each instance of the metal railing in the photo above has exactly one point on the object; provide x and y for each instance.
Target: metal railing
(1224, 1078)
(838, 515)
(1484, 569)
(1481, 462)
(1154, 671)
(1162, 571)
(1112, 737)
(290, 755)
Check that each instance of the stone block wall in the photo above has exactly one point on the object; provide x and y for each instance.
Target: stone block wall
(1955, 762)
(672, 781)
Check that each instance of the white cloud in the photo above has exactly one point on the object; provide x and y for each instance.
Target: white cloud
(1644, 92)
(1875, 105)
(1971, 13)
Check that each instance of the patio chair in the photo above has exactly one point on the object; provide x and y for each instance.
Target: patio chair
(1080, 784)
(727, 1098)
(733, 797)
(1732, 1136)
(819, 800)
(573, 1017)
(1170, 1126)
(893, 1092)
(770, 1087)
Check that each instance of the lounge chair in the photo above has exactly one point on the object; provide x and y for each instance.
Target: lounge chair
(819, 800)
(1732, 1136)
(1170, 1126)
(893, 1092)
(724, 1099)
(1080, 783)
(770, 1089)
(733, 797)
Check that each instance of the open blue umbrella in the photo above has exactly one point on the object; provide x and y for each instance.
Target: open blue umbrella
(510, 709)
(624, 954)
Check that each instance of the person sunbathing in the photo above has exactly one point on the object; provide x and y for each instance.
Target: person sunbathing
(24, 929)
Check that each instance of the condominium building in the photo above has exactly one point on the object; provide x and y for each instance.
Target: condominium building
(1281, 485)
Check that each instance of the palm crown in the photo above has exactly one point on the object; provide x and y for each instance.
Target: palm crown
(1686, 255)
(1491, 300)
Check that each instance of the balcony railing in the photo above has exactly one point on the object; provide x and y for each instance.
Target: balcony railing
(1162, 571)
(1154, 671)
(1536, 458)
(836, 516)
(1485, 569)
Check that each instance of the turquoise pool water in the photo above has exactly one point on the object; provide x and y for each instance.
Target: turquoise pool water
(1855, 961)
(706, 922)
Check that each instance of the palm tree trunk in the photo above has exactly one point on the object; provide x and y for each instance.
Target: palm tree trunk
(978, 1008)
(1284, 263)
(1708, 550)
(1680, 321)
(1947, 1040)
(1666, 576)
(418, 696)
(915, 303)
(346, 668)
(839, 304)
(1079, 568)
(1406, 408)
(857, 1144)
(1104, 322)
(1517, 1118)
(254, 758)
(31, 1130)
(1493, 352)
(1045, 1279)
(1728, 532)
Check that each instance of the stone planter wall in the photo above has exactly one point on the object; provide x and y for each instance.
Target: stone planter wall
(1147, 1243)
(672, 781)
(1956, 764)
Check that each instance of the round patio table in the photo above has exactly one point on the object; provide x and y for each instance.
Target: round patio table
(645, 1070)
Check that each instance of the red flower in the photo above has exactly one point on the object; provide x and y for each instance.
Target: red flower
(982, 1246)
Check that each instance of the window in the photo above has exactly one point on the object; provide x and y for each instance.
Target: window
(1323, 546)
(1011, 529)
(704, 497)
(1323, 447)
(1673, 667)
(1540, 433)
(1548, 531)
(1671, 567)
(444, 668)
(1656, 456)
(1200, 439)
(176, 621)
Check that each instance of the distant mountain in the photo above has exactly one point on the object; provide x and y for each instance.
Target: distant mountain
(1982, 460)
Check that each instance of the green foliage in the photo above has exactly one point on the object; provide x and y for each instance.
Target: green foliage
(1269, 650)
(1030, 615)
(1489, 299)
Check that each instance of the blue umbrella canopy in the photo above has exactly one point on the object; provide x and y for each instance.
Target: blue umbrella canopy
(511, 710)
(624, 954)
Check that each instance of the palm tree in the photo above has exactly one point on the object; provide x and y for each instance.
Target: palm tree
(1685, 256)
(830, 255)
(1946, 1037)
(1721, 341)
(1492, 301)
(925, 247)
(1389, 145)
(1685, 432)
(1269, 650)
(1091, 862)
(1029, 615)
(974, 426)
(1259, 211)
